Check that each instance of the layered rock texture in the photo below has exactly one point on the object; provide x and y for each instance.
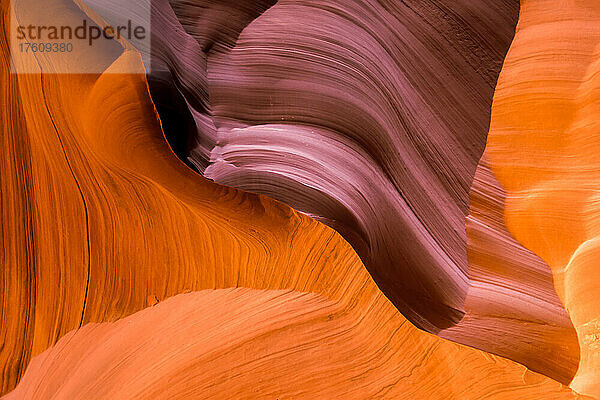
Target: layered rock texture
(543, 147)
(256, 344)
(363, 124)
(369, 117)
(360, 128)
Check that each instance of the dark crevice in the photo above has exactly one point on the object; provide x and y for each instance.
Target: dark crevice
(87, 226)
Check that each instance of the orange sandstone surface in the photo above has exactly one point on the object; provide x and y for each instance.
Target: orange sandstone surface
(544, 149)
(257, 344)
(100, 222)
(100, 219)
(512, 290)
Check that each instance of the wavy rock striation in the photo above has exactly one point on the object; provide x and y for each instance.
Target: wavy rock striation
(368, 116)
(118, 223)
(511, 306)
(371, 118)
(252, 344)
(543, 148)
(101, 220)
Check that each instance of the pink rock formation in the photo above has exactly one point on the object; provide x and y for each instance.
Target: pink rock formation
(363, 124)
(346, 111)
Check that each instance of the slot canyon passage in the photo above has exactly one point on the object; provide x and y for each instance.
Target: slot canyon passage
(300, 199)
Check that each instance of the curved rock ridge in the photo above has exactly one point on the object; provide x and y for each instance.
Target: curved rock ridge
(343, 115)
(511, 305)
(101, 220)
(368, 116)
(256, 344)
(543, 147)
